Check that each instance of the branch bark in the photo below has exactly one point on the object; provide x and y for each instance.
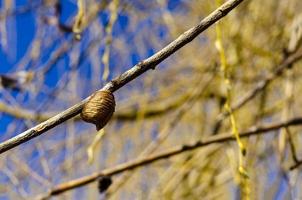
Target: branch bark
(63, 187)
(126, 77)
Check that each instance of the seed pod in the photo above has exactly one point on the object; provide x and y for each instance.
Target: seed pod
(99, 108)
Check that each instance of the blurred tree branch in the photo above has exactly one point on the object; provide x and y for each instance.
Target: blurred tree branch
(130, 165)
(20, 10)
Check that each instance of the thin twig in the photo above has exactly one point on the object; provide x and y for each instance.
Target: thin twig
(126, 77)
(297, 161)
(292, 145)
(296, 165)
(166, 154)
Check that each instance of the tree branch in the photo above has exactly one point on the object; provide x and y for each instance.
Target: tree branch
(130, 165)
(296, 165)
(126, 77)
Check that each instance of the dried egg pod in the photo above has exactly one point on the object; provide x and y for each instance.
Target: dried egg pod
(99, 108)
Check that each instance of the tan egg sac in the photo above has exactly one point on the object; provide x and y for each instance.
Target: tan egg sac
(99, 108)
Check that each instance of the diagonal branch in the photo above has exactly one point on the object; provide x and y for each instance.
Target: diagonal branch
(126, 77)
(130, 165)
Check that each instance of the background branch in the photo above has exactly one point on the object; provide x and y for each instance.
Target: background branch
(166, 154)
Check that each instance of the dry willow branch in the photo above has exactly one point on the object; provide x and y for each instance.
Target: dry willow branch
(130, 165)
(126, 77)
(296, 165)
